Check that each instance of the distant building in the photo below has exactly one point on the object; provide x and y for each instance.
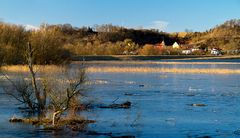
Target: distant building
(161, 45)
(175, 45)
(216, 51)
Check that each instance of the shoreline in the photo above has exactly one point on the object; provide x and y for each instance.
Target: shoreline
(142, 58)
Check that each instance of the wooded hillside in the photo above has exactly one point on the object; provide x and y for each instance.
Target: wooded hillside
(55, 44)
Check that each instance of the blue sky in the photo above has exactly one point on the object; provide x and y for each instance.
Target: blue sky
(166, 15)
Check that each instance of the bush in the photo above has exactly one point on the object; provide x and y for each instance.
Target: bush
(149, 50)
(48, 46)
(171, 51)
(13, 40)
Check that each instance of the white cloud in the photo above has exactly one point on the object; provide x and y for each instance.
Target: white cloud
(159, 25)
(31, 27)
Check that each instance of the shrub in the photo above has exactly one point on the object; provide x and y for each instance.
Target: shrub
(149, 50)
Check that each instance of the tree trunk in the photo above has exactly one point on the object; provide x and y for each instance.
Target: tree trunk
(40, 100)
(54, 117)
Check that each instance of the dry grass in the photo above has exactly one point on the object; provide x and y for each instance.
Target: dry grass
(33, 121)
(56, 69)
(38, 68)
(160, 70)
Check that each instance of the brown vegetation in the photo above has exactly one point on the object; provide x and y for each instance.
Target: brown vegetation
(124, 105)
(57, 69)
(47, 44)
(76, 124)
(224, 36)
(160, 70)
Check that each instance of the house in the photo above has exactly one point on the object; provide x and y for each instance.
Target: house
(216, 51)
(161, 45)
(175, 45)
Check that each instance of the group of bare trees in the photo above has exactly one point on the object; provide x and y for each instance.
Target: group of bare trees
(47, 42)
(13, 38)
(97, 48)
(43, 94)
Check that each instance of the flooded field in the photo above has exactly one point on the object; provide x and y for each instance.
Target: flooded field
(163, 104)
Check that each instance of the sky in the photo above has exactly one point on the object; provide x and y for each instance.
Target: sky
(164, 15)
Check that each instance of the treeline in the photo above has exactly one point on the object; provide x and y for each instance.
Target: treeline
(111, 40)
(55, 44)
(47, 45)
(111, 33)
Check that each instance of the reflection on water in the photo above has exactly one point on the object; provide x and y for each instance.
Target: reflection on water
(161, 106)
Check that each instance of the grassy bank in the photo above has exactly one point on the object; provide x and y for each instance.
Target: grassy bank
(138, 57)
(155, 62)
(129, 57)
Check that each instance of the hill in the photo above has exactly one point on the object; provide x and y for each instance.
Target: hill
(225, 36)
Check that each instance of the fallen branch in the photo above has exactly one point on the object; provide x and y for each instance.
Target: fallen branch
(124, 105)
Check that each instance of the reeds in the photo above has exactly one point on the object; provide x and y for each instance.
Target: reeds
(161, 70)
(110, 69)
(38, 68)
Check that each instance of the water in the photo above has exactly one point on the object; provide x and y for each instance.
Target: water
(161, 106)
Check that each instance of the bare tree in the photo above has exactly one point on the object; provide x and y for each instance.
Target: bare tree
(40, 95)
(65, 91)
(27, 91)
